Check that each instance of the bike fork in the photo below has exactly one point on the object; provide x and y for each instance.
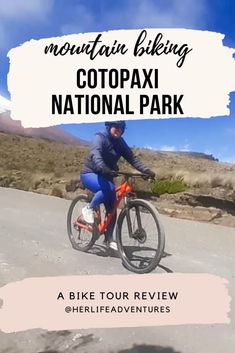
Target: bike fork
(138, 217)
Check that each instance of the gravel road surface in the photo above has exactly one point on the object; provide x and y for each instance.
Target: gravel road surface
(34, 243)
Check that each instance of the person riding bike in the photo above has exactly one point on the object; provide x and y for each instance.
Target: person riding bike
(100, 168)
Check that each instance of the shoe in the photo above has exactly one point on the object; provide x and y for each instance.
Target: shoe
(88, 214)
(113, 245)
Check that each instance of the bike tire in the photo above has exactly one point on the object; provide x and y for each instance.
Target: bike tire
(127, 251)
(75, 233)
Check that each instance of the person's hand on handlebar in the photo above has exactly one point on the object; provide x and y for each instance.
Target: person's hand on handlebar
(109, 172)
(149, 175)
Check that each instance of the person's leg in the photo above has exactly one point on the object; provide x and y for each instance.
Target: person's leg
(109, 196)
(103, 189)
(110, 229)
(90, 181)
(104, 192)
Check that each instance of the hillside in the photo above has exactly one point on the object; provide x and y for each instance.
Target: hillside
(53, 133)
(48, 167)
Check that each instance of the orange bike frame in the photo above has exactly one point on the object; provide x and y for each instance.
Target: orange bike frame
(120, 191)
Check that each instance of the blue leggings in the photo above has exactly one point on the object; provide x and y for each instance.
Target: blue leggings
(104, 192)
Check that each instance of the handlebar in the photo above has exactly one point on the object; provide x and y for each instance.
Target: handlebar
(75, 184)
(128, 175)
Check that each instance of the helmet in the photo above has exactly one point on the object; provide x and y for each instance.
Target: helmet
(121, 124)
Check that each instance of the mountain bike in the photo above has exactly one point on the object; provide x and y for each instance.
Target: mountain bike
(139, 232)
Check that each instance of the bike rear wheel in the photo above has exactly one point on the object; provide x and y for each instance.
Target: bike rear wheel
(140, 251)
(81, 235)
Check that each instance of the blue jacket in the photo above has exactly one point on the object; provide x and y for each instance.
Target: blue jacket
(105, 151)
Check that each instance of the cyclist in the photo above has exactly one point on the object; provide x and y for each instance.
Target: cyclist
(100, 168)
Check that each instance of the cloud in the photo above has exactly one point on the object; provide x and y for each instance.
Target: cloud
(22, 9)
(208, 152)
(178, 13)
(162, 148)
(185, 148)
(3, 36)
(230, 131)
(168, 148)
(15, 13)
(84, 22)
(230, 159)
(148, 147)
(138, 14)
(5, 104)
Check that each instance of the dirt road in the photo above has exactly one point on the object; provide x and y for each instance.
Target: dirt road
(33, 243)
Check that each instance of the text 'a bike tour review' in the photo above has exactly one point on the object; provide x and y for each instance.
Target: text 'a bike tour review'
(80, 302)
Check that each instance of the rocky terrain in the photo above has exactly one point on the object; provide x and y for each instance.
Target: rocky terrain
(44, 166)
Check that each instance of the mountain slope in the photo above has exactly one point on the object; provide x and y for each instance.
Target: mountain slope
(53, 133)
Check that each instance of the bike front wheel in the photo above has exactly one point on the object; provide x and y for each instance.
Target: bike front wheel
(140, 236)
(81, 235)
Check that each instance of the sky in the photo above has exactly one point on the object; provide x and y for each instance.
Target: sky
(22, 20)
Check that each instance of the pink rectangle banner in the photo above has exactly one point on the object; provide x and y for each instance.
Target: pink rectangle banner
(81, 302)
